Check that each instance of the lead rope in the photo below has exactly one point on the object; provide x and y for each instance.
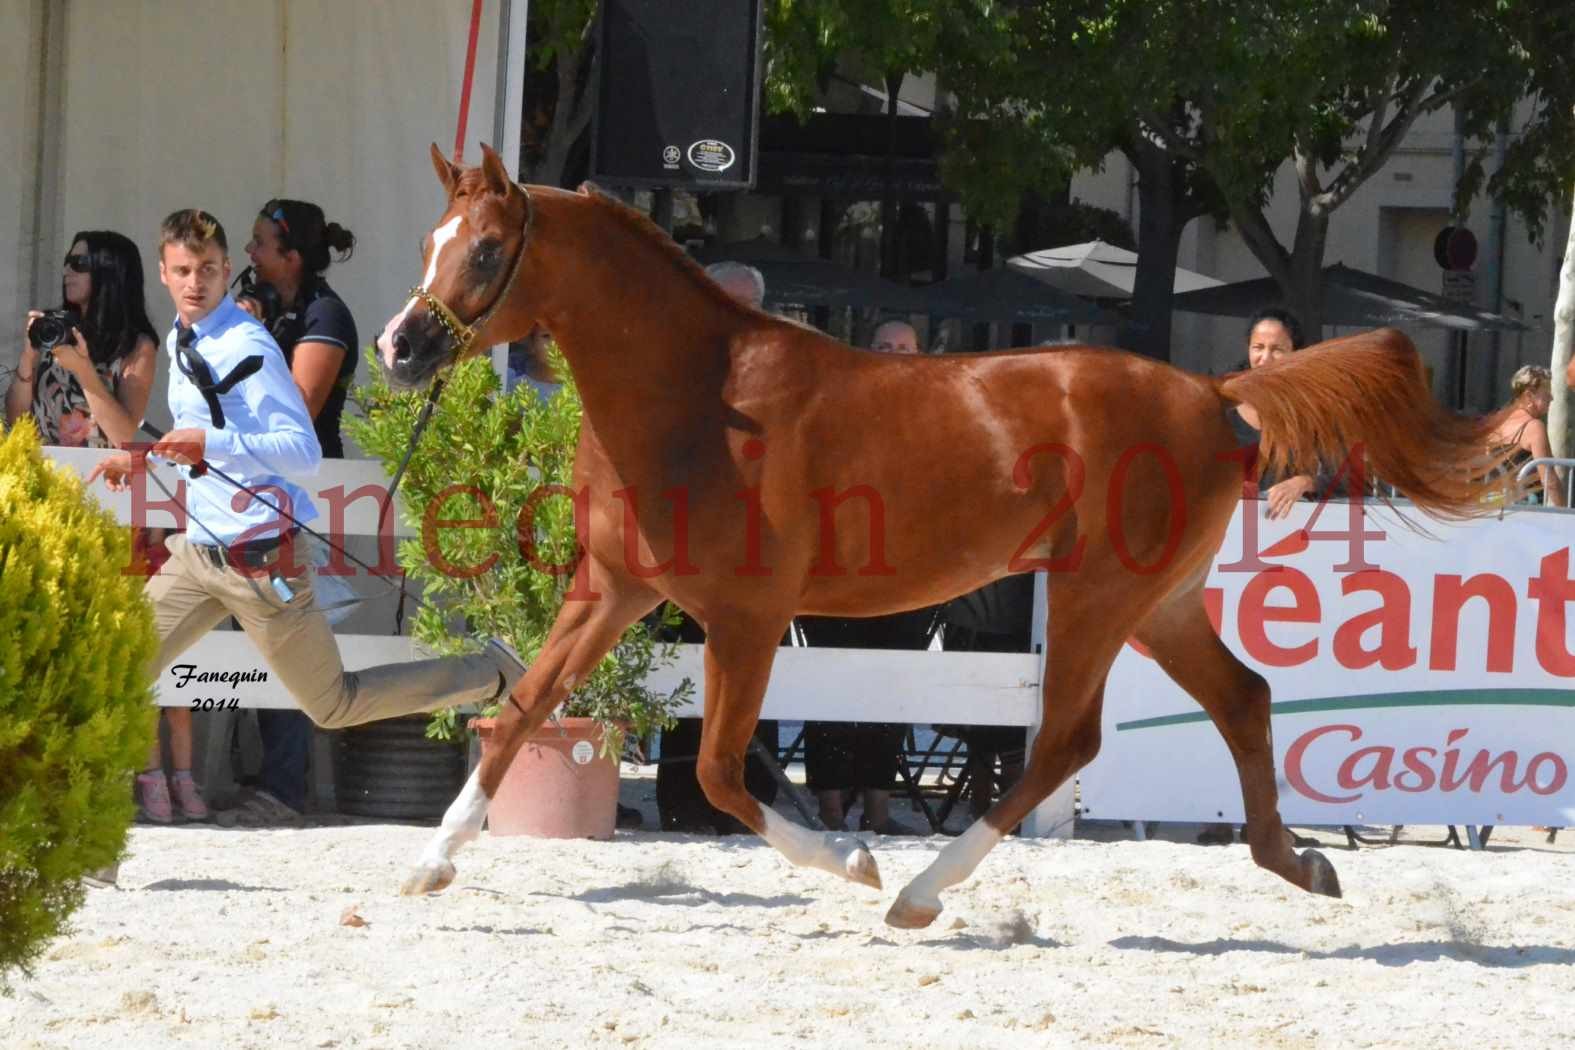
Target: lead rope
(399, 473)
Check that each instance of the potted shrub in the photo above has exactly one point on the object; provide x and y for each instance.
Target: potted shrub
(483, 454)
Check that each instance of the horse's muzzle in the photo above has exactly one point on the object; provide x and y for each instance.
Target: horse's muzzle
(414, 351)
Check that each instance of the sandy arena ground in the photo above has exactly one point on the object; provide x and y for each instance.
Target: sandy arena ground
(232, 939)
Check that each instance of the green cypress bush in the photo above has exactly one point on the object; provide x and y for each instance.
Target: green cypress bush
(76, 711)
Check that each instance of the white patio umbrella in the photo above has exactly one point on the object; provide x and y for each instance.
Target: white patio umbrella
(1095, 270)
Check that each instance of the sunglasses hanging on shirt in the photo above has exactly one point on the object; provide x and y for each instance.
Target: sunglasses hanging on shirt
(196, 368)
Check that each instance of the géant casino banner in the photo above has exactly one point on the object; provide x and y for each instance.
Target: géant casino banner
(1416, 678)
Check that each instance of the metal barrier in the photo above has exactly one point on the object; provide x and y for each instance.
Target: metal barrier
(1556, 462)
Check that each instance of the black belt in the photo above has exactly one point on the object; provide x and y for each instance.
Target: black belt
(256, 554)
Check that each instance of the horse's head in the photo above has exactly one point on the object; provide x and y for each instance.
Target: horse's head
(473, 259)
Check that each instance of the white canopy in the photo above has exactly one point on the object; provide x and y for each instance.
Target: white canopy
(1095, 270)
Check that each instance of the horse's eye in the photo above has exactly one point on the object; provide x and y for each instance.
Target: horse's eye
(486, 255)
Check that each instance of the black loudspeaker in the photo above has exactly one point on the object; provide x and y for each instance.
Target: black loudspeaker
(678, 94)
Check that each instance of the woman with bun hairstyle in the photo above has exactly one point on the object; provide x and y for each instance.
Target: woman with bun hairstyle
(291, 248)
(290, 251)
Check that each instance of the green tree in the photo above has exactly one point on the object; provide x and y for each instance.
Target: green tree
(1237, 91)
(886, 40)
(1019, 118)
(1043, 89)
(560, 87)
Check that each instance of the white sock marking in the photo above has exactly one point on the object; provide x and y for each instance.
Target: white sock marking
(955, 863)
(806, 848)
(461, 823)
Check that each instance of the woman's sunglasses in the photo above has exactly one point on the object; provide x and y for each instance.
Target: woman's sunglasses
(275, 211)
(78, 263)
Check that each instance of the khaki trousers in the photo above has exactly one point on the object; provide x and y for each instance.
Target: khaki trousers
(191, 596)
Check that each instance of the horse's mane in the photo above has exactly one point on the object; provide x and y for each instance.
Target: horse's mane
(638, 223)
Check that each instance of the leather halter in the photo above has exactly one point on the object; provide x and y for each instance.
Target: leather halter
(461, 335)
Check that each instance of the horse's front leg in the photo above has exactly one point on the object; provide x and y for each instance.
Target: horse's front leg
(581, 635)
(738, 658)
(462, 821)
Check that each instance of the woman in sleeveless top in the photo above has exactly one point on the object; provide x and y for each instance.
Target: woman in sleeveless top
(1523, 429)
(93, 391)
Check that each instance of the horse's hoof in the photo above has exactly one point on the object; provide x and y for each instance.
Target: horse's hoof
(904, 914)
(861, 869)
(1321, 877)
(428, 878)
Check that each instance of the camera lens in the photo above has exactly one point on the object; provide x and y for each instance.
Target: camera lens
(46, 333)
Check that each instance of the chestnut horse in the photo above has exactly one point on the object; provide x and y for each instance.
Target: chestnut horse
(778, 472)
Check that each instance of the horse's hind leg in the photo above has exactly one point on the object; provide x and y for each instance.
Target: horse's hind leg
(1237, 699)
(738, 658)
(1073, 694)
(581, 635)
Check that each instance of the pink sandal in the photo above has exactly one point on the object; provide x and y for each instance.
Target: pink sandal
(155, 797)
(192, 807)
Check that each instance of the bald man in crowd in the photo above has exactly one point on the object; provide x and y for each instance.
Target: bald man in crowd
(895, 337)
(739, 280)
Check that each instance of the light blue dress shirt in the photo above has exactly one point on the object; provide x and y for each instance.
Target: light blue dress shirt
(267, 433)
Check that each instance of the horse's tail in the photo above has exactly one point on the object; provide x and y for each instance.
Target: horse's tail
(1368, 392)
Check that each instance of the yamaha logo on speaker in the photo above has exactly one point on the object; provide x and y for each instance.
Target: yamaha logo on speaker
(678, 94)
(711, 155)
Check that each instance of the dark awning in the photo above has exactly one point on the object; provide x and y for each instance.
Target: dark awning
(1351, 298)
(1005, 295)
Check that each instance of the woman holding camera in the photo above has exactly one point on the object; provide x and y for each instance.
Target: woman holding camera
(290, 251)
(87, 369)
(85, 376)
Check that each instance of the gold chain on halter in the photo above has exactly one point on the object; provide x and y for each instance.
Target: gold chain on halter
(461, 333)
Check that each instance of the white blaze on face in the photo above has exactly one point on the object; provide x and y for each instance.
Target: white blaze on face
(440, 239)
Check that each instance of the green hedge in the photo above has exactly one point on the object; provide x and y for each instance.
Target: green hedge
(76, 712)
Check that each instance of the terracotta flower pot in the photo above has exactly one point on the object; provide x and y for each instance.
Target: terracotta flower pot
(559, 785)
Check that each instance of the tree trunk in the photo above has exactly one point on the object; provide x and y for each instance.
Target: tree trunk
(1298, 272)
(888, 200)
(1147, 332)
(571, 116)
(1304, 295)
(1563, 340)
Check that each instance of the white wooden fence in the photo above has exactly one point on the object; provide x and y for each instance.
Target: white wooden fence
(806, 683)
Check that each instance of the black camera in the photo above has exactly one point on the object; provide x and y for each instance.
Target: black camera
(53, 329)
(262, 296)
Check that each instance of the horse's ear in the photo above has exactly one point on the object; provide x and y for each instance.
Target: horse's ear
(448, 174)
(496, 174)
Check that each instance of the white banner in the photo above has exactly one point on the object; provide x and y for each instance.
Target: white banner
(1416, 679)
